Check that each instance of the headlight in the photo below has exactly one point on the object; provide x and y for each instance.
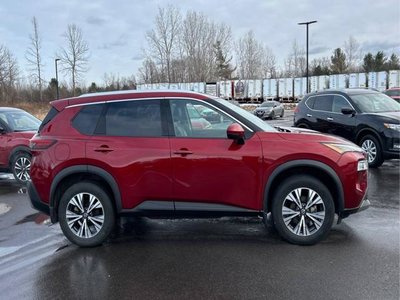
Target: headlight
(342, 148)
(392, 126)
(362, 165)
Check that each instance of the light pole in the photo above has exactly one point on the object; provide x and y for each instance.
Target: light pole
(307, 23)
(55, 62)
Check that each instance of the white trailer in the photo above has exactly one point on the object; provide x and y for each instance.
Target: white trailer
(323, 82)
(240, 89)
(282, 88)
(274, 88)
(354, 80)
(342, 81)
(225, 89)
(266, 88)
(362, 80)
(394, 78)
(300, 87)
(212, 89)
(381, 81)
(255, 89)
(372, 80)
(314, 83)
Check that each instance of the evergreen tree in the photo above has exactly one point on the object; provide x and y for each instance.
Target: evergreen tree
(338, 62)
(224, 69)
(368, 63)
(379, 61)
(393, 63)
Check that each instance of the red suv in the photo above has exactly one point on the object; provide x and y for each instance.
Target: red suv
(17, 127)
(100, 156)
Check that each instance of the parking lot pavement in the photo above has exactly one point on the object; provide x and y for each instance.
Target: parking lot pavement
(229, 258)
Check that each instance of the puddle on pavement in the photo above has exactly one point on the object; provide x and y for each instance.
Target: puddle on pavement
(37, 218)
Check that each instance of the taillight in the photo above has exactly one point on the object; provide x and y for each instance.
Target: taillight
(296, 110)
(41, 143)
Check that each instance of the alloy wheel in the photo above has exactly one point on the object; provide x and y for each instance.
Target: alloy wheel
(22, 167)
(369, 147)
(303, 211)
(85, 215)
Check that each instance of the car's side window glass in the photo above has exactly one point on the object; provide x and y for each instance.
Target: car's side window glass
(338, 103)
(198, 120)
(86, 119)
(137, 118)
(310, 102)
(323, 102)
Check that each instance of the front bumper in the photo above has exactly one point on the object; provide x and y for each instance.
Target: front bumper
(347, 212)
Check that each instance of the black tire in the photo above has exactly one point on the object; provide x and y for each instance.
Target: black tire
(282, 113)
(369, 143)
(20, 166)
(272, 115)
(303, 125)
(312, 232)
(107, 211)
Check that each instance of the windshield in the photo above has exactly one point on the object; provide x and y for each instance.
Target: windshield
(267, 104)
(20, 121)
(375, 103)
(252, 118)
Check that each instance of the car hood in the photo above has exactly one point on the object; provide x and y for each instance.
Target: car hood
(306, 135)
(390, 116)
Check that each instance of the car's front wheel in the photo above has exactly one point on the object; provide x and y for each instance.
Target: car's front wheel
(303, 210)
(21, 166)
(374, 151)
(86, 214)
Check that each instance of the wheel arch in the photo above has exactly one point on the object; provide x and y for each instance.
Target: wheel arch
(368, 131)
(15, 150)
(74, 174)
(313, 168)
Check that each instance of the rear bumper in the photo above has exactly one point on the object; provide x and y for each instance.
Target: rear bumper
(36, 201)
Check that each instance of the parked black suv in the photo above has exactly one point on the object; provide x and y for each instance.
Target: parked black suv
(368, 118)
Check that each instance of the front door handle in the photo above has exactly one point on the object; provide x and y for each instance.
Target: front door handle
(308, 115)
(329, 119)
(183, 152)
(103, 149)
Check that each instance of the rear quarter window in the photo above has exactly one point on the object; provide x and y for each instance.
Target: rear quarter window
(50, 116)
(87, 118)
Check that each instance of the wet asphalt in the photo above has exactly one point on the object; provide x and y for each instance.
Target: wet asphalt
(227, 258)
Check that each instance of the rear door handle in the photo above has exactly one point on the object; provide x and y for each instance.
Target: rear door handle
(183, 152)
(103, 149)
(308, 115)
(329, 119)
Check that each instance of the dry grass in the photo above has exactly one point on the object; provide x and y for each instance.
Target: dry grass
(39, 110)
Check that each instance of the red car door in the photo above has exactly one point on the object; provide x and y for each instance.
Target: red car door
(209, 168)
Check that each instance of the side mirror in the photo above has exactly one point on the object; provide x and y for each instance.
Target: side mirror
(235, 132)
(348, 111)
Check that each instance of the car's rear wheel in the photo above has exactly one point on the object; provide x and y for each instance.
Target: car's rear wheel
(272, 116)
(303, 210)
(282, 113)
(86, 214)
(374, 150)
(21, 166)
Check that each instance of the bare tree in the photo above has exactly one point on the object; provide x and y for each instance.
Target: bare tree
(198, 39)
(295, 63)
(34, 58)
(9, 73)
(75, 56)
(352, 50)
(268, 63)
(163, 40)
(249, 55)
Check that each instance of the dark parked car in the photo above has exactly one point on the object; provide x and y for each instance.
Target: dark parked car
(368, 118)
(100, 156)
(394, 93)
(270, 110)
(16, 129)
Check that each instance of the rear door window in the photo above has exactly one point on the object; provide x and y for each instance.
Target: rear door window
(137, 118)
(323, 103)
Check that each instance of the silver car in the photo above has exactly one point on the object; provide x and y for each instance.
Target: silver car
(270, 110)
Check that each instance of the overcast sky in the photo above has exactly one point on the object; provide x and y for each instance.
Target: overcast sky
(115, 30)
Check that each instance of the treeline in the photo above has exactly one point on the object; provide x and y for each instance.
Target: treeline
(180, 47)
